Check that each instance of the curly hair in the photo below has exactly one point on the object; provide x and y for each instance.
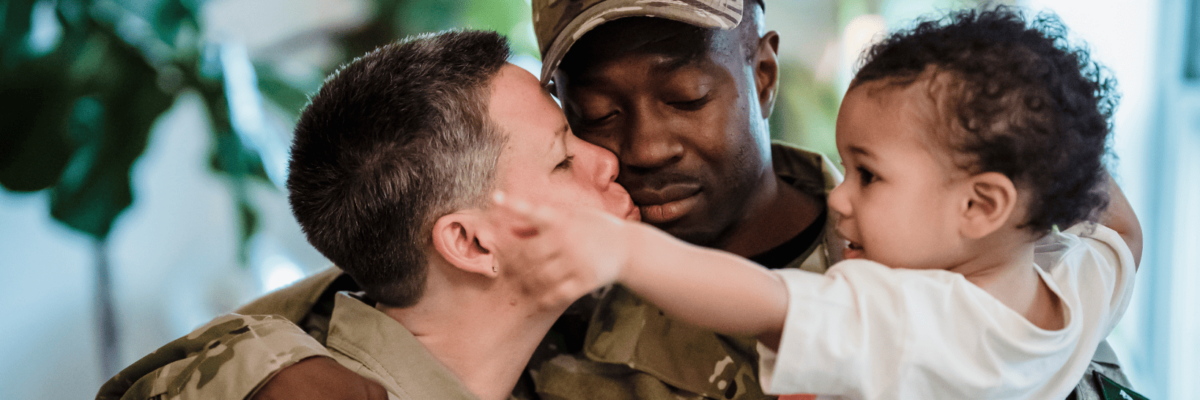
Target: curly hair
(1023, 102)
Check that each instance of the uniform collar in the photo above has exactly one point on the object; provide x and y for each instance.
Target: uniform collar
(387, 349)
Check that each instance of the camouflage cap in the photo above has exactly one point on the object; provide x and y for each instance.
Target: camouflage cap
(559, 23)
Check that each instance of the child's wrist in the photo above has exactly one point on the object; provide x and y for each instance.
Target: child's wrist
(634, 235)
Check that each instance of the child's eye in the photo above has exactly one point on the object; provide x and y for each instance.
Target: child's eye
(866, 176)
(565, 164)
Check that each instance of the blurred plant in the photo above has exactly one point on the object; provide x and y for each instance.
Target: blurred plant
(390, 20)
(81, 84)
(83, 81)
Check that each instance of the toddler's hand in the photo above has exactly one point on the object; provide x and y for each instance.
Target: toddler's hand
(558, 255)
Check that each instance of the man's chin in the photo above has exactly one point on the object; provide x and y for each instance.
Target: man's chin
(688, 232)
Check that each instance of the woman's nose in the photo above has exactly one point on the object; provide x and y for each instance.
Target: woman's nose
(604, 162)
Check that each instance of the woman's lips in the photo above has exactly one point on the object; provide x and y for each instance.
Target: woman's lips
(634, 213)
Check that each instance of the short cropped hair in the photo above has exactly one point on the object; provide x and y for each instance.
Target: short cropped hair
(393, 141)
(1023, 102)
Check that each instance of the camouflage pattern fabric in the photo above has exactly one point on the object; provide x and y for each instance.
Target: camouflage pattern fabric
(631, 350)
(559, 23)
(202, 364)
(1105, 363)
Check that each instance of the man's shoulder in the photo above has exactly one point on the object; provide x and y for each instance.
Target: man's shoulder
(807, 170)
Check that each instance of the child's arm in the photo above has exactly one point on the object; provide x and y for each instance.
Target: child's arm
(709, 288)
(570, 253)
(1119, 217)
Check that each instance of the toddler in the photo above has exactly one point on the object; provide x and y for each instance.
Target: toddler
(967, 142)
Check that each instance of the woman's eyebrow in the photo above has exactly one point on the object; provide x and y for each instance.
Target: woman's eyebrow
(560, 137)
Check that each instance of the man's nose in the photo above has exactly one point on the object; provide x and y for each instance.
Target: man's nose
(649, 143)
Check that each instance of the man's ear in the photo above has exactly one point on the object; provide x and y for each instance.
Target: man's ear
(766, 72)
(463, 241)
(991, 201)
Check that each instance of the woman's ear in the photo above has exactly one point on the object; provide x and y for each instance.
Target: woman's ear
(991, 200)
(462, 239)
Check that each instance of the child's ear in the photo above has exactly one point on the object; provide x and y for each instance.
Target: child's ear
(991, 200)
(463, 240)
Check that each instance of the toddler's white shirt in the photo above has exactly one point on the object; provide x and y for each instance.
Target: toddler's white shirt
(866, 331)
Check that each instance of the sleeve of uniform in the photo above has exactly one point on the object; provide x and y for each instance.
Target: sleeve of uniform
(867, 331)
(229, 358)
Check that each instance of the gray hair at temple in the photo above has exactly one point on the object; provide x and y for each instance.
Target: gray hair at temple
(393, 141)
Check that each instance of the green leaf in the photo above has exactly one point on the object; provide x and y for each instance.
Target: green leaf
(420, 16)
(288, 95)
(170, 17)
(34, 105)
(248, 224)
(17, 20)
(112, 126)
(509, 18)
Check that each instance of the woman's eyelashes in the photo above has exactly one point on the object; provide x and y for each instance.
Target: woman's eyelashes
(565, 164)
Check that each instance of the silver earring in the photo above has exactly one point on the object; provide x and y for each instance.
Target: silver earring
(494, 269)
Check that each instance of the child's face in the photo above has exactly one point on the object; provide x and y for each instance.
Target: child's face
(901, 196)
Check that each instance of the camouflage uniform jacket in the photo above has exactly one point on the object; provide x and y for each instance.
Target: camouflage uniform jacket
(611, 345)
(195, 366)
(629, 350)
(234, 354)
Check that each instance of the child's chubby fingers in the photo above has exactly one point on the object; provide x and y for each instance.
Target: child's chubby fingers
(524, 219)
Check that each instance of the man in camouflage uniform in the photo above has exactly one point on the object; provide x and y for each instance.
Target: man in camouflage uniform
(681, 92)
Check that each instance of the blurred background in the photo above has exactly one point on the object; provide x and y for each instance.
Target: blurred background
(143, 148)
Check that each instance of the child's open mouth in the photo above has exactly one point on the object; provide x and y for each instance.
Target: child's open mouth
(853, 250)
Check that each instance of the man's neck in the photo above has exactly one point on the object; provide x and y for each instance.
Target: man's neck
(778, 213)
(483, 337)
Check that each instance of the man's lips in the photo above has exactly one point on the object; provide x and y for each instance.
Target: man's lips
(666, 203)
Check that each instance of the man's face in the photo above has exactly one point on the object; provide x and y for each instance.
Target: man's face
(681, 113)
(542, 160)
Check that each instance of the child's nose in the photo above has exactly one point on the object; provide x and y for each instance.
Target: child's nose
(839, 200)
